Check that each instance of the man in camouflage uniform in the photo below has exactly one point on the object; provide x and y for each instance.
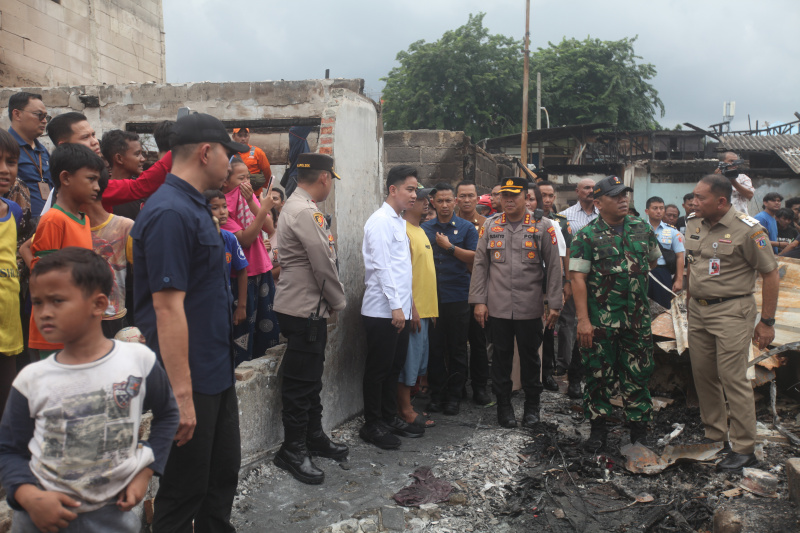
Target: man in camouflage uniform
(609, 260)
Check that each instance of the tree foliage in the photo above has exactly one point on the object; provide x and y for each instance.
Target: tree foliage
(470, 80)
(467, 81)
(597, 81)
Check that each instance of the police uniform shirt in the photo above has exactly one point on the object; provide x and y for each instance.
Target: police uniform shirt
(508, 269)
(308, 258)
(740, 244)
(670, 238)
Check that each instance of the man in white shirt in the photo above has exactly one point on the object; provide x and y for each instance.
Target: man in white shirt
(385, 309)
(743, 190)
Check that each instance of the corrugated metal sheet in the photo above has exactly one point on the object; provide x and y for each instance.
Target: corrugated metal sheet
(787, 147)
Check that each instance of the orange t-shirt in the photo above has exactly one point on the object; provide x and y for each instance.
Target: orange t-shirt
(57, 229)
(257, 162)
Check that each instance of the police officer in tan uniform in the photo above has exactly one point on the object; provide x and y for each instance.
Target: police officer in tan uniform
(506, 288)
(309, 285)
(725, 249)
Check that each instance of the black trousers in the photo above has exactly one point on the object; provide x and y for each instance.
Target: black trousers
(447, 365)
(386, 355)
(575, 369)
(200, 478)
(478, 357)
(528, 334)
(301, 371)
(548, 351)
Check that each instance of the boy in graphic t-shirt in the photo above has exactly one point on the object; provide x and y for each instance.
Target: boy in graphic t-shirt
(76, 171)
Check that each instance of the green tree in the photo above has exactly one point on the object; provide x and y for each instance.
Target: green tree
(597, 81)
(467, 81)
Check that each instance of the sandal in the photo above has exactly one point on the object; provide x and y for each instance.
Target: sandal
(423, 422)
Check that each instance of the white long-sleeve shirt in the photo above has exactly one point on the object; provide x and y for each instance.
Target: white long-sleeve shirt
(387, 265)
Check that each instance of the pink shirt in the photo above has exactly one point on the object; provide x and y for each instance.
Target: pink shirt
(256, 254)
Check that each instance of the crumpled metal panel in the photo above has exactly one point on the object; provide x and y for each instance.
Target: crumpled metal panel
(787, 147)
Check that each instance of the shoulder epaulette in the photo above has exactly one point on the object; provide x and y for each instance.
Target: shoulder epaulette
(747, 219)
(670, 226)
(690, 215)
(558, 215)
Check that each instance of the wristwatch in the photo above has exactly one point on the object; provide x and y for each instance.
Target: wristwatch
(768, 321)
(451, 250)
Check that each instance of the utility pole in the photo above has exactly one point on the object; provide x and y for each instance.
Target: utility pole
(526, 75)
(539, 116)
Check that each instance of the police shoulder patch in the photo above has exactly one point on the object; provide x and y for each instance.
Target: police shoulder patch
(319, 218)
(480, 233)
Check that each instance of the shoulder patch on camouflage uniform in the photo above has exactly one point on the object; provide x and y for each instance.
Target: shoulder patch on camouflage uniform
(319, 218)
(750, 221)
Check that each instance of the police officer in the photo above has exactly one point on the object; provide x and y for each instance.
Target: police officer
(725, 249)
(506, 288)
(309, 285)
(609, 260)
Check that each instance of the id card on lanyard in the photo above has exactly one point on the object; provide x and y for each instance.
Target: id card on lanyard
(44, 187)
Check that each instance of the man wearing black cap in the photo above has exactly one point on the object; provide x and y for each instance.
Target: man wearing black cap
(506, 285)
(609, 260)
(308, 292)
(183, 307)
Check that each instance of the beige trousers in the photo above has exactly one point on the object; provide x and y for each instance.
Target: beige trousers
(719, 338)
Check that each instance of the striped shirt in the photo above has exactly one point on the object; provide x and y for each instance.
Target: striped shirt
(577, 217)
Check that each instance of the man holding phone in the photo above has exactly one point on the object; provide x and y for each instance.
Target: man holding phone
(308, 291)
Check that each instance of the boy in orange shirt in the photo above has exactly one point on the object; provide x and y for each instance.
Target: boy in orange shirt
(75, 170)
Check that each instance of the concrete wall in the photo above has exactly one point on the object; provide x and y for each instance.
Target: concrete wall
(443, 156)
(72, 42)
(351, 132)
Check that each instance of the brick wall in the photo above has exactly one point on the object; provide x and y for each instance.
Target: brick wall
(77, 42)
(443, 156)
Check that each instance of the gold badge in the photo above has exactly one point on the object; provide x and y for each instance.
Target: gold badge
(509, 183)
(531, 255)
(697, 230)
(727, 235)
(528, 244)
(491, 245)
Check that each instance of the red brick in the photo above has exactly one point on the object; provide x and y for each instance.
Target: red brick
(326, 130)
(329, 120)
(326, 150)
(326, 140)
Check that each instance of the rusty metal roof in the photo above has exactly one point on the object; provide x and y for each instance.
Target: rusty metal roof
(787, 147)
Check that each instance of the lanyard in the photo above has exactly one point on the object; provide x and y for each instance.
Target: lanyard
(39, 166)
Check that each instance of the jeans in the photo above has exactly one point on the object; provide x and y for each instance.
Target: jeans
(101, 520)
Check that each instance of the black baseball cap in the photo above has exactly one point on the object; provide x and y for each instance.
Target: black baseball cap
(513, 185)
(203, 128)
(610, 186)
(314, 161)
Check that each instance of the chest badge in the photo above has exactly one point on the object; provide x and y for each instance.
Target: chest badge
(697, 230)
(531, 255)
(455, 232)
(528, 244)
(727, 235)
(497, 255)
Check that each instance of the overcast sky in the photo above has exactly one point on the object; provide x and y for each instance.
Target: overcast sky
(706, 52)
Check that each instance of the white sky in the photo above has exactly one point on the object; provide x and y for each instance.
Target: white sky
(705, 51)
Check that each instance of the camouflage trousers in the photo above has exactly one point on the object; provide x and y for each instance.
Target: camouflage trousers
(618, 355)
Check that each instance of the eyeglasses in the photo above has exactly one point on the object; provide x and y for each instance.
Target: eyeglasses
(41, 115)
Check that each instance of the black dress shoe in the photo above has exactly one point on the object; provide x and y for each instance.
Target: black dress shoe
(575, 391)
(550, 384)
(294, 459)
(401, 428)
(505, 415)
(376, 434)
(451, 407)
(736, 461)
(481, 396)
(530, 416)
(598, 437)
(726, 444)
(319, 444)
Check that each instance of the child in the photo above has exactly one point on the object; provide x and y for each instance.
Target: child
(110, 239)
(234, 256)
(69, 453)
(75, 170)
(246, 220)
(10, 215)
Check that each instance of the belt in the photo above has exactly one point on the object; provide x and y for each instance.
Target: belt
(712, 301)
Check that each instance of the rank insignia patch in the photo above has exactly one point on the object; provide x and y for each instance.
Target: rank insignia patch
(528, 244)
(531, 255)
(498, 229)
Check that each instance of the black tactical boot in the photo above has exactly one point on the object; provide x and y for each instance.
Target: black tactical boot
(530, 416)
(294, 458)
(505, 413)
(574, 390)
(639, 433)
(319, 444)
(549, 383)
(598, 437)
(480, 395)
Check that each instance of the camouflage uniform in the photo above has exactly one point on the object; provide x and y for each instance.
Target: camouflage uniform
(616, 285)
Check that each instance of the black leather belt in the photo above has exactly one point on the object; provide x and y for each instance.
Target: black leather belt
(712, 301)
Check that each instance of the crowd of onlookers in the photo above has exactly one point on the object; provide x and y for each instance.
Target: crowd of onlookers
(89, 194)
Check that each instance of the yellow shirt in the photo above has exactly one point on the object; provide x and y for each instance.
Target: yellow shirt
(423, 271)
(10, 326)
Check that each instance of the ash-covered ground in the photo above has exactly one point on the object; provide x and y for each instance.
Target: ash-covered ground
(522, 480)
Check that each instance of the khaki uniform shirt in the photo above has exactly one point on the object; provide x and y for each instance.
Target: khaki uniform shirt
(742, 247)
(477, 220)
(308, 258)
(507, 273)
